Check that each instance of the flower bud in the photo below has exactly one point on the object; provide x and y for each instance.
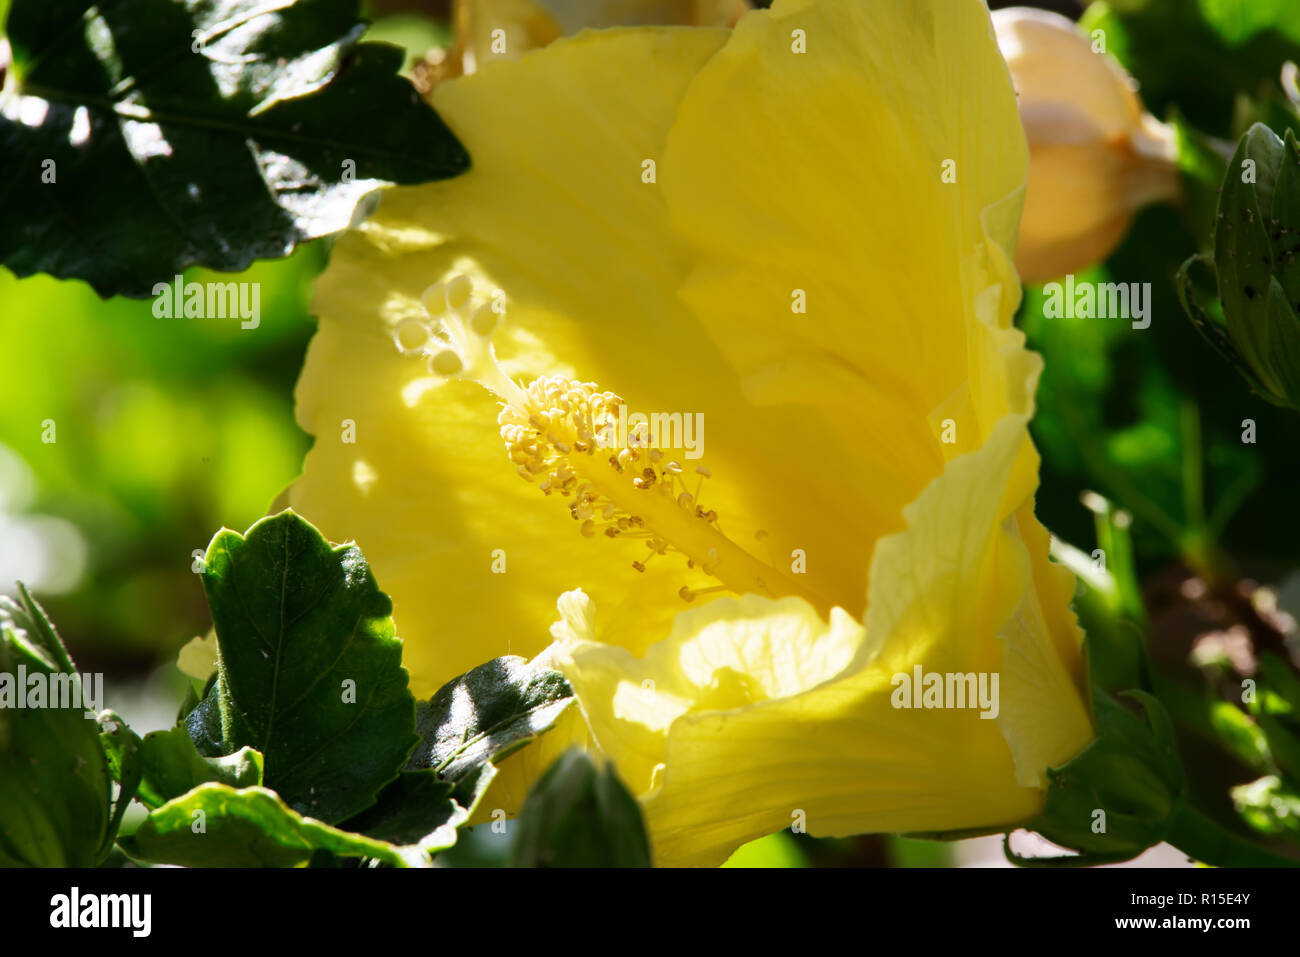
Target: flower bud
(1122, 794)
(1095, 155)
(1257, 267)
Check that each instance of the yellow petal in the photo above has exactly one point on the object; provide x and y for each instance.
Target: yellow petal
(753, 714)
(825, 177)
(554, 211)
(198, 657)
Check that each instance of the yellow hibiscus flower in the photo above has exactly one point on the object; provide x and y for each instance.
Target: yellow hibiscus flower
(797, 233)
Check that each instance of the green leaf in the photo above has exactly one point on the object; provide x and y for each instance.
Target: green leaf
(203, 723)
(579, 816)
(216, 825)
(165, 765)
(1130, 772)
(122, 750)
(54, 778)
(1209, 322)
(171, 766)
(471, 788)
(1283, 337)
(480, 717)
(28, 614)
(309, 671)
(487, 714)
(208, 133)
(418, 808)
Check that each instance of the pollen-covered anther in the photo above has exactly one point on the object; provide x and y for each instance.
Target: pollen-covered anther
(567, 437)
(562, 433)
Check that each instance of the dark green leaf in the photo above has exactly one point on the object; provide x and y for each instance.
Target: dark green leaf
(54, 779)
(578, 815)
(215, 825)
(486, 714)
(1208, 320)
(471, 788)
(122, 750)
(418, 808)
(309, 671)
(1131, 771)
(475, 719)
(30, 615)
(186, 133)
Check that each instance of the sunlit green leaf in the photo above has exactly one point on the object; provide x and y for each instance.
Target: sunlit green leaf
(487, 714)
(216, 825)
(310, 671)
(144, 136)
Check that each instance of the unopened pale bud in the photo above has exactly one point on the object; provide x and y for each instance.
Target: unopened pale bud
(1095, 155)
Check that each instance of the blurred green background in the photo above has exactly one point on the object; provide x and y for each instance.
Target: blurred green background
(165, 430)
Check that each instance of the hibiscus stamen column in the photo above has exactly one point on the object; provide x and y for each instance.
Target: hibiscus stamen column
(559, 434)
